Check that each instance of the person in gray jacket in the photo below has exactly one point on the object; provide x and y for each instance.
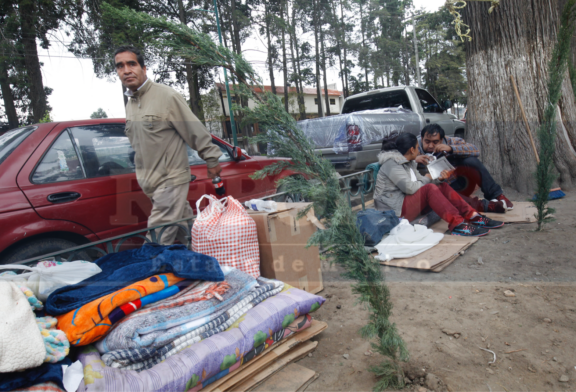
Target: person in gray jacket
(399, 187)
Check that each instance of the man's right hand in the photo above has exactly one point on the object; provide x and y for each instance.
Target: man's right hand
(423, 159)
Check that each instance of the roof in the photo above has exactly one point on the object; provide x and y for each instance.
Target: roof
(280, 90)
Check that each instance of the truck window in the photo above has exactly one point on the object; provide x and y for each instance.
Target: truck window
(388, 99)
(429, 104)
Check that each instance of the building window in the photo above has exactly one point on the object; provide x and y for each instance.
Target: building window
(332, 101)
(315, 101)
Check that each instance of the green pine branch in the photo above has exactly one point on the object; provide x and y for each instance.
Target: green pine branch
(557, 67)
(315, 179)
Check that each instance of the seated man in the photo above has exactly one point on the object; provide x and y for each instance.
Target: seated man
(463, 156)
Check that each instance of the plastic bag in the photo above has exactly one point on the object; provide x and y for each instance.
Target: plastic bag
(375, 224)
(225, 231)
(48, 276)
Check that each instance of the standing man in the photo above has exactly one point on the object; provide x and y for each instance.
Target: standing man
(464, 157)
(159, 124)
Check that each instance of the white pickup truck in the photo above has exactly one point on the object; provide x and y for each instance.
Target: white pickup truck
(352, 140)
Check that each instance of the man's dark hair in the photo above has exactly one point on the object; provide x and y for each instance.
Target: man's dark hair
(128, 48)
(432, 130)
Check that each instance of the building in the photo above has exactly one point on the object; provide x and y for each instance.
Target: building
(216, 125)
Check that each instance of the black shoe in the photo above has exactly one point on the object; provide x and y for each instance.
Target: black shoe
(485, 222)
(469, 230)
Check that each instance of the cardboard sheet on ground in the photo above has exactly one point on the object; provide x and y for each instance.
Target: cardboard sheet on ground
(523, 212)
(438, 257)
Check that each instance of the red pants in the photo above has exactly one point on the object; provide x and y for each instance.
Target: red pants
(442, 199)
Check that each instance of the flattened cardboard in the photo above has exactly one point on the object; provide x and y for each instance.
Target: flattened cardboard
(289, 379)
(282, 239)
(438, 257)
(523, 212)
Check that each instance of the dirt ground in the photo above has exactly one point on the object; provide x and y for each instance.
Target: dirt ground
(447, 318)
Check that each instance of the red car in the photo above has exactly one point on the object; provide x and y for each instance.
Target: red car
(69, 183)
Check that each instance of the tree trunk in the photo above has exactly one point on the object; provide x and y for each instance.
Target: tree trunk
(191, 71)
(515, 40)
(318, 93)
(270, 65)
(124, 97)
(284, 61)
(362, 28)
(326, 96)
(8, 98)
(295, 64)
(36, 91)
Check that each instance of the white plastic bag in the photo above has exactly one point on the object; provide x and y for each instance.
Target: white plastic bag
(46, 277)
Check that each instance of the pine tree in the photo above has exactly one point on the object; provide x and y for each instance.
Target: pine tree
(559, 64)
(100, 113)
(318, 182)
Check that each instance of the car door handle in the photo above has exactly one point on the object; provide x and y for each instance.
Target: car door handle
(192, 177)
(427, 121)
(63, 197)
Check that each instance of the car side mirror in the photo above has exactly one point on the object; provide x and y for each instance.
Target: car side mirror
(236, 153)
(447, 104)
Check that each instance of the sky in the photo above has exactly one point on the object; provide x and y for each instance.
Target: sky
(78, 92)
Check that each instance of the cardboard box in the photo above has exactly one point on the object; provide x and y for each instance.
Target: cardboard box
(283, 254)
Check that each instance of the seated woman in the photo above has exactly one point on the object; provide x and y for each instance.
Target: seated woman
(399, 187)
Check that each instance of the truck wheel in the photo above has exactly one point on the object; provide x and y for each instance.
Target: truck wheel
(41, 247)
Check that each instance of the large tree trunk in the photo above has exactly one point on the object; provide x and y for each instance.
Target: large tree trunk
(517, 39)
(36, 91)
(9, 106)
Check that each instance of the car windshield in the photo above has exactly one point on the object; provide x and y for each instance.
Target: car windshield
(388, 99)
(12, 139)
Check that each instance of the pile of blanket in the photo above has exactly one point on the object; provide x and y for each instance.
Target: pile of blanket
(153, 318)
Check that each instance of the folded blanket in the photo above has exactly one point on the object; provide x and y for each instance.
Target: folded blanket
(161, 323)
(200, 364)
(42, 387)
(55, 341)
(47, 372)
(93, 320)
(145, 358)
(125, 268)
(21, 345)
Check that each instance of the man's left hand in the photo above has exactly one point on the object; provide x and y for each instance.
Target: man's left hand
(442, 148)
(214, 171)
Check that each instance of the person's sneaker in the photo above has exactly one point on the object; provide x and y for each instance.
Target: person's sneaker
(469, 230)
(498, 207)
(485, 222)
(507, 203)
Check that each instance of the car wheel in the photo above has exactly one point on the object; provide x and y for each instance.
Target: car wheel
(459, 133)
(288, 198)
(39, 247)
